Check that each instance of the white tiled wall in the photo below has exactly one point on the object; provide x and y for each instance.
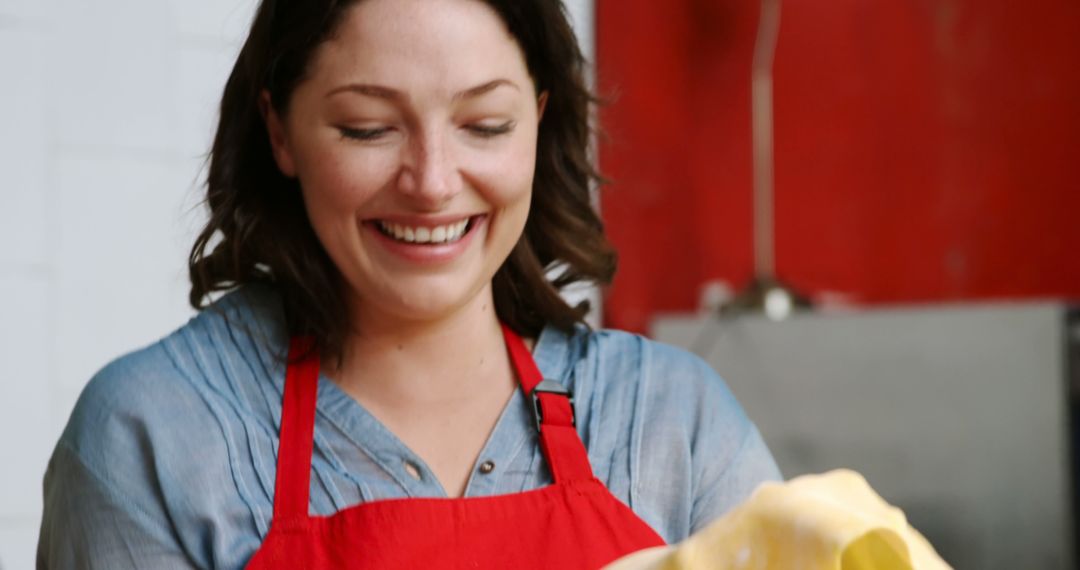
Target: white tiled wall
(106, 110)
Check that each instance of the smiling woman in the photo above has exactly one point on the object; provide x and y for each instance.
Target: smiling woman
(421, 117)
(429, 107)
(390, 184)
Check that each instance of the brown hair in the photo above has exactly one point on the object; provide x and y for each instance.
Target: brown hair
(258, 230)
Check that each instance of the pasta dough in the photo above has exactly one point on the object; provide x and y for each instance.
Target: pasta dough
(833, 521)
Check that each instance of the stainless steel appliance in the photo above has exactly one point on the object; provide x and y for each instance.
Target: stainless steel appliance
(963, 416)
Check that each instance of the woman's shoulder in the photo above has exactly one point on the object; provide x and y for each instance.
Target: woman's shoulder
(624, 382)
(173, 442)
(663, 429)
(615, 361)
(160, 391)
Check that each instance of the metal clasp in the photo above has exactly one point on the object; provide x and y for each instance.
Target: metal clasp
(551, 387)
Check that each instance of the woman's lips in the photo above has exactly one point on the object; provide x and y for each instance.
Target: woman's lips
(427, 240)
(424, 234)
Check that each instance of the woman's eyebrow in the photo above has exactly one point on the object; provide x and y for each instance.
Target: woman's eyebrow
(370, 90)
(485, 88)
(383, 92)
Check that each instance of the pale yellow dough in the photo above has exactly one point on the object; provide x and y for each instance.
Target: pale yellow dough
(833, 521)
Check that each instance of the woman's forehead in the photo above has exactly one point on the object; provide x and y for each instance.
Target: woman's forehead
(444, 45)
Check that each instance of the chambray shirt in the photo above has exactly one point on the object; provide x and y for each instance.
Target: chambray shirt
(169, 457)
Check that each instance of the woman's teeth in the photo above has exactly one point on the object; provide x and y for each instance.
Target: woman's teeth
(422, 234)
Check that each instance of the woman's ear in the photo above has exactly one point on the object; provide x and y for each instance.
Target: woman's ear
(541, 104)
(279, 143)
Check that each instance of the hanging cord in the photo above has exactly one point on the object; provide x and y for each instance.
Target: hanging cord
(761, 113)
(761, 101)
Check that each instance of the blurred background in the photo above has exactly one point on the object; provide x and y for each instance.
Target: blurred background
(906, 169)
(862, 214)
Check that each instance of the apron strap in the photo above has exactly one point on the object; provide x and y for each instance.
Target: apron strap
(528, 374)
(293, 479)
(559, 439)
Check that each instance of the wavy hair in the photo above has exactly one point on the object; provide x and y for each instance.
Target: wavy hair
(258, 230)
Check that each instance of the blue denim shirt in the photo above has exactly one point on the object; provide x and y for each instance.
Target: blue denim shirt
(168, 459)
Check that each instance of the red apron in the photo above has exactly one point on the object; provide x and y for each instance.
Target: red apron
(573, 523)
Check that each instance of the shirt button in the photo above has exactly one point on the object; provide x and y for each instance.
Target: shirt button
(412, 470)
(487, 467)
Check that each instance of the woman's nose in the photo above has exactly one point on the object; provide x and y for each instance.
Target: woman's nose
(429, 171)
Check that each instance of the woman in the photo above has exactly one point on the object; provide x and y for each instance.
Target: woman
(390, 183)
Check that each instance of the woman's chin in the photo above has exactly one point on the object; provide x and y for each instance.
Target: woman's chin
(426, 303)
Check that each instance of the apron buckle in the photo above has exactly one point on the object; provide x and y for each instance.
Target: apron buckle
(551, 387)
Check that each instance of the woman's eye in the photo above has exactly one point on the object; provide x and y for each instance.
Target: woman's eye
(363, 134)
(488, 131)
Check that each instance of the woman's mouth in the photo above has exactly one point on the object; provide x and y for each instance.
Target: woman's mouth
(422, 235)
(426, 241)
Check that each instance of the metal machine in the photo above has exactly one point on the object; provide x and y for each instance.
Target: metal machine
(963, 416)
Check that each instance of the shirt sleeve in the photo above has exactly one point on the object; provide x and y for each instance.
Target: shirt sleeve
(729, 456)
(107, 483)
(723, 485)
(699, 453)
(90, 524)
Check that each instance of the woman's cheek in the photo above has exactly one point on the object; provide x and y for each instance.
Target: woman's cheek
(346, 181)
(507, 178)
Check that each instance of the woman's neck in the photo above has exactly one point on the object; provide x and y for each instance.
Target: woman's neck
(391, 359)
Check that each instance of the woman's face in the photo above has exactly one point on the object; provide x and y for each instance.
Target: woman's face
(413, 137)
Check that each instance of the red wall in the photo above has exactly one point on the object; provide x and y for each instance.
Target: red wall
(925, 150)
